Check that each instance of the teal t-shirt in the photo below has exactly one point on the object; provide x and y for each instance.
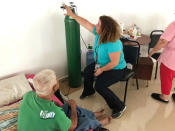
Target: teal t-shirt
(103, 51)
(37, 114)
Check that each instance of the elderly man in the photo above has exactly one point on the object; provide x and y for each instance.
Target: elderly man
(39, 113)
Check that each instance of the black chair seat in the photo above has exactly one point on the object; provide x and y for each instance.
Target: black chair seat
(156, 56)
(128, 74)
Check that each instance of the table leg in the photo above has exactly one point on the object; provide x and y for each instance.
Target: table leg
(147, 83)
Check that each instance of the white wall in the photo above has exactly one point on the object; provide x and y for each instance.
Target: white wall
(32, 35)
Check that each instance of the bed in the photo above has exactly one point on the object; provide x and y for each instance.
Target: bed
(12, 91)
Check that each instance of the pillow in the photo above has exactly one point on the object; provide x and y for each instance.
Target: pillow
(30, 77)
(13, 89)
(8, 117)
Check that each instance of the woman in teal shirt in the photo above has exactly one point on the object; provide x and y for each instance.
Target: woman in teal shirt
(108, 54)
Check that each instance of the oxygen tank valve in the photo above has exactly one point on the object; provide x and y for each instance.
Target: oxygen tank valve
(63, 6)
(72, 6)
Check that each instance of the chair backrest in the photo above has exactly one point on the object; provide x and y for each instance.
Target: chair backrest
(154, 36)
(131, 53)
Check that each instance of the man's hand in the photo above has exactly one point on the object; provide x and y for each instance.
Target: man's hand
(72, 103)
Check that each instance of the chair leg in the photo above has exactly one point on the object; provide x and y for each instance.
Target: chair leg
(137, 82)
(156, 70)
(126, 88)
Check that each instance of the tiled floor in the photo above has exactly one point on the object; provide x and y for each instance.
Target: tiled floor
(142, 113)
(65, 88)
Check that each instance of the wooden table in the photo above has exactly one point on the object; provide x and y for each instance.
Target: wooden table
(143, 40)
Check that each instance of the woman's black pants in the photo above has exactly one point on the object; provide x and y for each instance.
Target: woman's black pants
(103, 81)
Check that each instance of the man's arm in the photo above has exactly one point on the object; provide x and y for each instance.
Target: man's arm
(73, 116)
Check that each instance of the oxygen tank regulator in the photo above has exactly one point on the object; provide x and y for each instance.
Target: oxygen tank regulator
(72, 6)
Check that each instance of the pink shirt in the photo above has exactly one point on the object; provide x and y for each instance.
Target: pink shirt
(167, 57)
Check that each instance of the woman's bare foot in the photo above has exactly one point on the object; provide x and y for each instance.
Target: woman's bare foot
(100, 113)
(106, 120)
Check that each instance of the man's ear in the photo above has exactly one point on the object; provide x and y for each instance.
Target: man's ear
(55, 87)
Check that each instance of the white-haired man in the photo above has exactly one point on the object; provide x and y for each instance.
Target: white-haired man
(39, 113)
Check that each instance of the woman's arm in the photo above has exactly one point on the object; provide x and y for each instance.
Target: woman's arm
(160, 44)
(85, 23)
(114, 57)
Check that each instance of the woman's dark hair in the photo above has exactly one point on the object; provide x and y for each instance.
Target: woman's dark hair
(110, 30)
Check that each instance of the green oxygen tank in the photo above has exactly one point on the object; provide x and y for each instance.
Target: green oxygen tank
(72, 30)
